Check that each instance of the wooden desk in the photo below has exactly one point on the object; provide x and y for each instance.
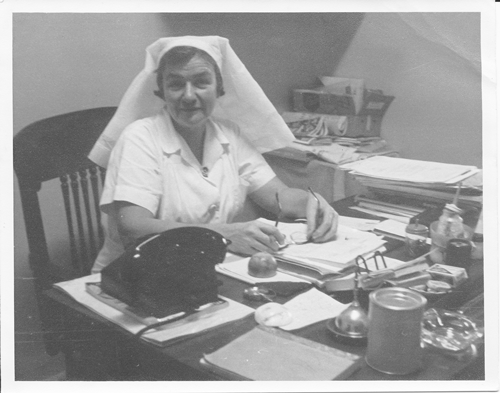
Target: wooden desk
(99, 350)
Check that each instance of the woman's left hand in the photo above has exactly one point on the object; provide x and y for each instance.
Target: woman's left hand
(322, 219)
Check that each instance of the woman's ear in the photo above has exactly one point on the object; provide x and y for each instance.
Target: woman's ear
(220, 91)
(159, 94)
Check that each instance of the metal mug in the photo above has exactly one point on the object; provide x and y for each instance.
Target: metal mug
(395, 325)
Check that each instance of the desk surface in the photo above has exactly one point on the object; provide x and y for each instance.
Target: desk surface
(181, 360)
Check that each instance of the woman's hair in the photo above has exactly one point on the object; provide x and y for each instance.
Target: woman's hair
(181, 55)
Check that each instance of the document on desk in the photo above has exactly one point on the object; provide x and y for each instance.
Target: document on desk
(406, 170)
(163, 335)
(394, 229)
(311, 307)
(239, 269)
(361, 224)
(331, 256)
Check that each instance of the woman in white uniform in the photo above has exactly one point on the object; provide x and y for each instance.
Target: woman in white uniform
(196, 160)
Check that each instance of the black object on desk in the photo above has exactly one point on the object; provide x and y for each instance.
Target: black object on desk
(167, 273)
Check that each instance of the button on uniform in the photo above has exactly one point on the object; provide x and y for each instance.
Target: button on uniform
(214, 207)
(214, 210)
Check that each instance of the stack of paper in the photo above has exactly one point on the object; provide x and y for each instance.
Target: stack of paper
(161, 336)
(329, 257)
(395, 182)
(410, 171)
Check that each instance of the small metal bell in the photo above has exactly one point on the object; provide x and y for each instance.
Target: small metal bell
(353, 321)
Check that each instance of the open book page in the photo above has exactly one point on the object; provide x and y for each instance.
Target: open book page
(335, 254)
(191, 325)
(408, 170)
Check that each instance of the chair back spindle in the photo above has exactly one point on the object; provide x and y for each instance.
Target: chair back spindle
(57, 147)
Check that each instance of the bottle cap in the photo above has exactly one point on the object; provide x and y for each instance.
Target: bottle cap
(453, 208)
(416, 228)
(477, 238)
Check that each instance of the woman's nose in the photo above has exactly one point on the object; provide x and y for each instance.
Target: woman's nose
(189, 92)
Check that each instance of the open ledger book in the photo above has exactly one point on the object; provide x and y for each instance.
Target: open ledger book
(326, 258)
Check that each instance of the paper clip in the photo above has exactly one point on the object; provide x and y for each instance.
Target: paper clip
(377, 258)
(372, 279)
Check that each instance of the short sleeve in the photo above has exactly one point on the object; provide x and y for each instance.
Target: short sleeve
(133, 173)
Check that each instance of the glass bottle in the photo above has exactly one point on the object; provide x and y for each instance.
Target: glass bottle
(416, 239)
(450, 223)
(449, 226)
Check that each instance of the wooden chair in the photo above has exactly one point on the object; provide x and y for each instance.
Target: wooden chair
(57, 147)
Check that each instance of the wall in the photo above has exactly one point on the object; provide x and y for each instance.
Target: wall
(431, 64)
(63, 63)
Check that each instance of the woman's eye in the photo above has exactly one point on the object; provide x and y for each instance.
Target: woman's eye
(203, 82)
(175, 85)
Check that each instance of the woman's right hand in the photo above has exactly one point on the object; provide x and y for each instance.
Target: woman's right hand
(250, 237)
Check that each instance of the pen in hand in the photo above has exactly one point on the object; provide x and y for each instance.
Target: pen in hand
(317, 210)
(280, 210)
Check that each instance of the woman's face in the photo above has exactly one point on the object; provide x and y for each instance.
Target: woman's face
(190, 92)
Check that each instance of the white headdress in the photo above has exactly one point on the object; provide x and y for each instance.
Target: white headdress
(244, 102)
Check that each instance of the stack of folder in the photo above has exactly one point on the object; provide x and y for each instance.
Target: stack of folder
(404, 188)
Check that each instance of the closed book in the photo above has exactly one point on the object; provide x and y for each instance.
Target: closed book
(384, 201)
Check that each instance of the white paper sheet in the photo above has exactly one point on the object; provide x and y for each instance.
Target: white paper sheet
(395, 228)
(361, 224)
(76, 289)
(330, 255)
(239, 270)
(311, 307)
(407, 170)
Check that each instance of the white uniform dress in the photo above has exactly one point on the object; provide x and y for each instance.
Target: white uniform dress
(152, 166)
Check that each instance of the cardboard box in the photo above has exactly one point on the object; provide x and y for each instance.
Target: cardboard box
(451, 274)
(374, 102)
(347, 126)
(358, 126)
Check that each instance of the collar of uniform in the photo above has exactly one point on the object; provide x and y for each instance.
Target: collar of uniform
(173, 143)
